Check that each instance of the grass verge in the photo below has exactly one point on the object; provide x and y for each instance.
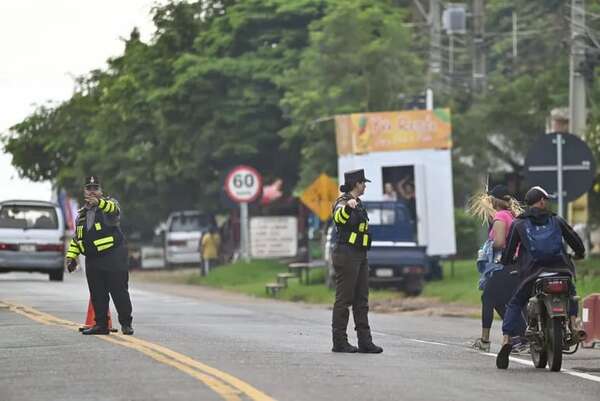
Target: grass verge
(458, 286)
(460, 283)
(250, 279)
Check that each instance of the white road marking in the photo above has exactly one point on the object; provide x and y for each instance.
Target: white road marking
(569, 372)
(427, 342)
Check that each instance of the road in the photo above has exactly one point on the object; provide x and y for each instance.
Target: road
(193, 343)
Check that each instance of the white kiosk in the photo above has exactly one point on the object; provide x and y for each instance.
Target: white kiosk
(407, 157)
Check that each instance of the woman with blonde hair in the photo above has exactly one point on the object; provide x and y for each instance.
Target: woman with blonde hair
(497, 208)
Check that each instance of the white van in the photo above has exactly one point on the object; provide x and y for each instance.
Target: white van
(32, 237)
(184, 229)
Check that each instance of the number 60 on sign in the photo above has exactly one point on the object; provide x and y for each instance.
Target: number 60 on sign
(243, 184)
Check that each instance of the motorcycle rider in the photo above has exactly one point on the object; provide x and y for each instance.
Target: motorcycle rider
(537, 235)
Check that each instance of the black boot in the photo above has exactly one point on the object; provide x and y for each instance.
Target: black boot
(365, 343)
(96, 330)
(127, 330)
(341, 344)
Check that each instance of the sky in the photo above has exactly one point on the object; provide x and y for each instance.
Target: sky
(44, 44)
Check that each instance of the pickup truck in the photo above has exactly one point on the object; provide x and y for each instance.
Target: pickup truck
(395, 259)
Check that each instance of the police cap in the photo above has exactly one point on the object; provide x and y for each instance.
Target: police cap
(92, 181)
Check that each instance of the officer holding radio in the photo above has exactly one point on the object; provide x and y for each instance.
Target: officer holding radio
(99, 237)
(351, 266)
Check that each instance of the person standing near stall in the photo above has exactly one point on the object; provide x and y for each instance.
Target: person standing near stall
(351, 266)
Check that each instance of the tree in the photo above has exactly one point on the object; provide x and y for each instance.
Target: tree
(167, 119)
(358, 60)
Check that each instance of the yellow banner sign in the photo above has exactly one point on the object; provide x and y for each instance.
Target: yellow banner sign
(392, 131)
(320, 195)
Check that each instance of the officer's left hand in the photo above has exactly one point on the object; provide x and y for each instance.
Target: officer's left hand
(352, 203)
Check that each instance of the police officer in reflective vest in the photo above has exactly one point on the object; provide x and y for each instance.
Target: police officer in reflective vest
(98, 236)
(351, 266)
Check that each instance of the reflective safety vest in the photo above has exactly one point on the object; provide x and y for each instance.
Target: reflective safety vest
(352, 224)
(101, 238)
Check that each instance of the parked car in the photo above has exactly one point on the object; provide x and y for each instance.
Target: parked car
(184, 229)
(32, 237)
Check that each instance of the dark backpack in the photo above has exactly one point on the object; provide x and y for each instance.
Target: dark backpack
(544, 242)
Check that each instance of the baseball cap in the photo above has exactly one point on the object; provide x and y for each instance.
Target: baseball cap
(499, 191)
(536, 194)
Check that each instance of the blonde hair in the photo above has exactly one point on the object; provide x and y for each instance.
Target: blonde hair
(484, 206)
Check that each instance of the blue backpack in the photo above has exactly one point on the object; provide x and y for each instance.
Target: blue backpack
(544, 243)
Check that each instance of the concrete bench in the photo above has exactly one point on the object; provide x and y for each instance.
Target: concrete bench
(282, 278)
(296, 268)
(273, 288)
(306, 267)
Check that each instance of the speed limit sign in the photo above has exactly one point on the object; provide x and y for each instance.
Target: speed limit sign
(243, 184)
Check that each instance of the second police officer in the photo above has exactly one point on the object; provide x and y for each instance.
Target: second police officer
(351, 266)
(99, 237)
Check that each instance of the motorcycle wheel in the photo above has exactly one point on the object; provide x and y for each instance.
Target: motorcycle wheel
(555, 345)
(539, 356)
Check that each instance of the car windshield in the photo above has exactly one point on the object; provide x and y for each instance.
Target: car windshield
(383, 216)
(390, 221)
(28, 217)
(186, 223)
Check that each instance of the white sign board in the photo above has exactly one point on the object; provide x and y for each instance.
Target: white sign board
(243, 184)
(273, 237)
(152, 257)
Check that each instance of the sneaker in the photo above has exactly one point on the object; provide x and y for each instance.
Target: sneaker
(502, 357)
(520, 345)
(481, 345)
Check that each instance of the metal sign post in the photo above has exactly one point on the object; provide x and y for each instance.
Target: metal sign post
(243, 185)
(244, 235)
(559, 174)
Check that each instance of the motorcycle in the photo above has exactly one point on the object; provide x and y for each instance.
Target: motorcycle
(548, 328)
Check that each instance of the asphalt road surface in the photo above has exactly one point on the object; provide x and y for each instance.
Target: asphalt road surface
(192, 343)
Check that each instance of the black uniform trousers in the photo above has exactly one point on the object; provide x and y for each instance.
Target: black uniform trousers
(351, 290)
(109, 275)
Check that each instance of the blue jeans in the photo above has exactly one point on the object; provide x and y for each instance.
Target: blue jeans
(514, 322)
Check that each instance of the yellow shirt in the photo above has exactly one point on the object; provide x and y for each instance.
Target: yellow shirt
(210, 246)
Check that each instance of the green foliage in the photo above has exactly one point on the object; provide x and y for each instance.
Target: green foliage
(358, 59)
(468, 233)
(258, 82)
(494, 129)
(167, 119)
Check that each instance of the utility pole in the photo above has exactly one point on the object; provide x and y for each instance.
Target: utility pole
(578, 210)
(515, 39)
(577, 89)
(479, 64)
(435, 42)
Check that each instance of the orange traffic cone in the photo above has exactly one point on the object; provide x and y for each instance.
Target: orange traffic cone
(90, 319)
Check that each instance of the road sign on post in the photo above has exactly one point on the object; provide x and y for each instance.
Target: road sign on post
(243, 185)
(320, 195)
(563, 165)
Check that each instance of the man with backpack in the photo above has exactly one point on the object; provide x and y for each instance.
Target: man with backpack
(536, 240)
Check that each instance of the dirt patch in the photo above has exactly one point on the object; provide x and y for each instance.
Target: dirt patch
(422, 306)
